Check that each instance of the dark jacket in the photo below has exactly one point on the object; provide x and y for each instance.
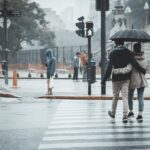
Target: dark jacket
(50, 63)
(120, 57)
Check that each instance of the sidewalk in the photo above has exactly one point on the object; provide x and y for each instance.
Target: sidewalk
(63, 89)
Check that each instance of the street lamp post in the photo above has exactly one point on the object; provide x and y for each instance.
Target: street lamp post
(5, 13)
(5, 40)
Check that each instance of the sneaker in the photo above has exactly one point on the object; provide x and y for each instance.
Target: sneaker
(125, 119)
(110, 114)
(130, 114)
(49, 91)
(139, 118)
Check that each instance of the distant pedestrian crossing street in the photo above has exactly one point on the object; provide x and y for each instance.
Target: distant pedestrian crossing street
(85, 125)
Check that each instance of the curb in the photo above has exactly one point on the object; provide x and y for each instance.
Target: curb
(103, 97)
(84, 97)
(8, 95)
(77, 97)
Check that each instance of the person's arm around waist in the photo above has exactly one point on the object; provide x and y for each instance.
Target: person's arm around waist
(136, 64)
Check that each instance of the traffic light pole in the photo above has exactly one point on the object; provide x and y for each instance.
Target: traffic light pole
(89, 65)
(88, 28)
(103, 46)
(5, 40)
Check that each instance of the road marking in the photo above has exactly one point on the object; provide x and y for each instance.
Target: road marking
(73, 128)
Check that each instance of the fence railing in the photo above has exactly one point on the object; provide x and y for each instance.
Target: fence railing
(35, 59)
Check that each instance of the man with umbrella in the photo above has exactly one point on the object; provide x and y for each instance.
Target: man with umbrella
(120, 57)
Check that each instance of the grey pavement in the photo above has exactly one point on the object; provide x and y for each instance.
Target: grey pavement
(22, 124)
(62, 87)
(38, 87)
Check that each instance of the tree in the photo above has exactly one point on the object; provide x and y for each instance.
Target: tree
(31, 26)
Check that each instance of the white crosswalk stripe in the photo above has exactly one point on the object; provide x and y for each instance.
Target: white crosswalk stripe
(90, 128)
(91, 137)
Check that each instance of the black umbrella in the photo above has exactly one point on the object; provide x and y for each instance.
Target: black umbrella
(133, 35)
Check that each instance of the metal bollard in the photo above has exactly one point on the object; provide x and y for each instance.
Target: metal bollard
(14, 79)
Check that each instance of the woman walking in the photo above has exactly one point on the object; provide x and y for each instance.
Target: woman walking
(137, 81)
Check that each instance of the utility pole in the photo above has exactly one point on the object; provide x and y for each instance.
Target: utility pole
(103, 46)
(89, 65)
(103, 6)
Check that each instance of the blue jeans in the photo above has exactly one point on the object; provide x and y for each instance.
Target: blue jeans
(140, 93)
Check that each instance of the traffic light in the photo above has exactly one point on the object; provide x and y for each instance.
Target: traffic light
(80, 25)
(100, 5)
(80, 31)
(89, 28)
(89, 25)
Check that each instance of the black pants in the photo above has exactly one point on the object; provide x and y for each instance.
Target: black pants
(75, 75)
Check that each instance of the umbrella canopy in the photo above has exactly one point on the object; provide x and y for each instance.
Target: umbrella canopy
(133, 35)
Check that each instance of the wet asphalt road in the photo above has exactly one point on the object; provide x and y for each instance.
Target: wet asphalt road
(34, 124)
(22, 124)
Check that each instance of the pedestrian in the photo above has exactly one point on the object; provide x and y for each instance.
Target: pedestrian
(137, 81)
(120, 57)
(84, 60)
(76, 65)
(50, 63)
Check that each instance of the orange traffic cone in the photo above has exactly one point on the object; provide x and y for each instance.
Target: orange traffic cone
(14, 79)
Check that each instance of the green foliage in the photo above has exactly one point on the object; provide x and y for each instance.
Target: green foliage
(30, 26)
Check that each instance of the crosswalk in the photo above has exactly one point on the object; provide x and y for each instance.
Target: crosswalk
(85, 125)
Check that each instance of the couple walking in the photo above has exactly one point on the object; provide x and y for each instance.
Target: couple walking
(128, 70)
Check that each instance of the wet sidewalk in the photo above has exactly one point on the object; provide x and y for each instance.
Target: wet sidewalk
(62, 88)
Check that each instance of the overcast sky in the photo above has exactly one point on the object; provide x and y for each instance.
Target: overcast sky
(57, 5)
(60, 5)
